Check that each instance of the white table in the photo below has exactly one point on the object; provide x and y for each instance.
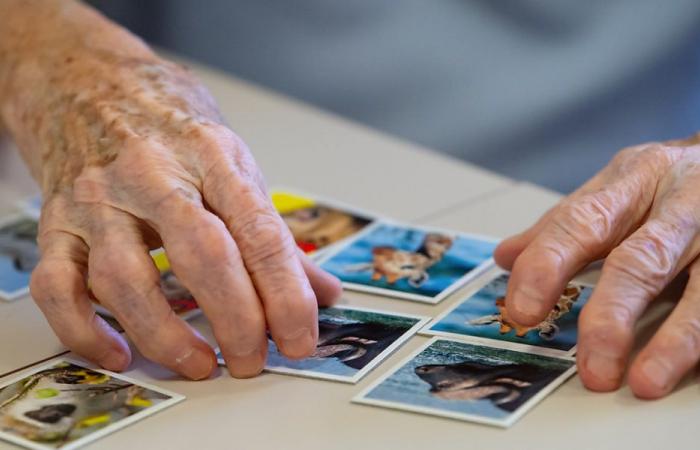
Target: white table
(302, 147)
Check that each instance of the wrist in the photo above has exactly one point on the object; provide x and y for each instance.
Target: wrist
(50, 51)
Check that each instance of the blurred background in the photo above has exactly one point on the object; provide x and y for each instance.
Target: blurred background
(540, 90)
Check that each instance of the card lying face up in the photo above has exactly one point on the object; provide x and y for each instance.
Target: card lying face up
(409, 262)
(351, 342)
(482, 317)
(19, 254)
(317, 224)
(469, 382)
(65, 405)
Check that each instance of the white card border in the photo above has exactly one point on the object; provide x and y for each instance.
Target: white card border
(484, 279)
(174, 399)
(361, 398)
(360, 374)
(11, 296)
(458, 284)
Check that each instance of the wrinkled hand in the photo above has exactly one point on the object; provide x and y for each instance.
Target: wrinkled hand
(135, 156)
(642, 212)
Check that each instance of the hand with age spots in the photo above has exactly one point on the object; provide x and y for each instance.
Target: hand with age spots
(641, 213)
(131, 153)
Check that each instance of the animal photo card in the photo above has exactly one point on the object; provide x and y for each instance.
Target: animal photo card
(317, 224)
(351, 342)
(464, 381)
(63, 404)
(19, 255)
(180, 299)
(482, 317)
(409, 262)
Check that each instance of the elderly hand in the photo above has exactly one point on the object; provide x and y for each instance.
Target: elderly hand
(131, 154)
(642, 212)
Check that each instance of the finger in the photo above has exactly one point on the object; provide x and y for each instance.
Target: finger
(205, 258)
(125, 280)
(580, 231)
(633, 275)
(58, 286)
(675, 348)
(327, 287)
(510, 248)
(234, 191)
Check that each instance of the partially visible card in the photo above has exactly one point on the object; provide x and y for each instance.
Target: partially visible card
(483, 317)
(63, 404)
(180, 299)
(317, 224)
(469, 382)
(409, 262)
(19, 254)
(31, 206)
(352, 341)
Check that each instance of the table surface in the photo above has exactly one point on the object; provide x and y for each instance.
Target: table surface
(311, 150)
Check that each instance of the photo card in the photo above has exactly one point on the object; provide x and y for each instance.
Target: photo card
(64, 404)
(352, 341)
(19, 255)
(459, 380)
(318, 223)
(408, 261)
(482, 317)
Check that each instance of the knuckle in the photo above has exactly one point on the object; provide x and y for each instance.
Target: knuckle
(590, 220)
(262, 238)
(615, 314)
(176, 199)
(210, 241)
(45, 283)
(684, 335)
(643, 262)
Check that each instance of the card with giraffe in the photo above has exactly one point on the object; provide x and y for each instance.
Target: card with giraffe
(409, 262)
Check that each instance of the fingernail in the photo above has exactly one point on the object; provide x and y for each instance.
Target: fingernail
(246, 365)
(657, 371)
(299, 344)
(116, 360)
(196, 364)
(603, 366)
(528, 303)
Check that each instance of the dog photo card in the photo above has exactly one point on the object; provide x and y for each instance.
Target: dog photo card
(64, 404)
(352, 341)
(464, 381)
(482, 317)
(317, 224)
(409, 262)
(19, 255)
